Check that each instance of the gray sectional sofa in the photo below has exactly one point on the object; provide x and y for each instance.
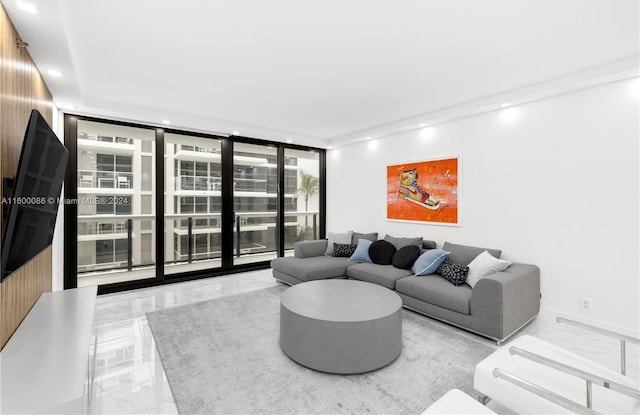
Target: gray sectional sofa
(496, 307)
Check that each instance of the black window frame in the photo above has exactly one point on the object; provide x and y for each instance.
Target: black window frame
(227, 216)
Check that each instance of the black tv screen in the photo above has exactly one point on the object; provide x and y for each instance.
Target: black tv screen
(33, 206)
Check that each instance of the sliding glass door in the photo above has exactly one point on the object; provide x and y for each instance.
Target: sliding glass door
(115, 204)
(193, 203)
(255, 203)
(301, 197)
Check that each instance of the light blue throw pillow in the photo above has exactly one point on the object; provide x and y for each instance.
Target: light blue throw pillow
(429, 261)
(362, 251)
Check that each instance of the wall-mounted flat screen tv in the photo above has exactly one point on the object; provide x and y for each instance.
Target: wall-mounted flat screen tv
(33, 204)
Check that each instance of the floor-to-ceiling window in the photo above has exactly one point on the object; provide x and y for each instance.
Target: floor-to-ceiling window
(192, 204)
(302, 197)
(255, 202)
(115, 211)
(146, 205)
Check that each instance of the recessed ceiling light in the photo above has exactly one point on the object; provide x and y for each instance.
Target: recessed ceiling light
(509, 115)
(26, 7)
(55, 73)
(329, 147)
(289, 141)
(427, 133)
(422, 125)
(235, 133)
(367, 138)
(166, 122)
(505, 105)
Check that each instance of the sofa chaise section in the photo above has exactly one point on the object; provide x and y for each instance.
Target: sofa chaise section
(309, 264)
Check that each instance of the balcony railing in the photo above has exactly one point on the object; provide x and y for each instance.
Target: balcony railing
(244, 222)
(100, 225)
(205, 183)
(198, 149)
(241, 184)
(105, 179)
(102, 228)
(105, 139)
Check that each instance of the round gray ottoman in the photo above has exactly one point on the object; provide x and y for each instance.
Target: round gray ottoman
(341, 326)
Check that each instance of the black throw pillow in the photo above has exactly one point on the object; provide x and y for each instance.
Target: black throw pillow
(405, 257)
(381, 252)
(343, 250)
(454, 273)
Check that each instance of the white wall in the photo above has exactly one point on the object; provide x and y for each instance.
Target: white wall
(553, 183)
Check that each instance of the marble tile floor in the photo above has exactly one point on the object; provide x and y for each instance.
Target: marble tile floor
(127, 373)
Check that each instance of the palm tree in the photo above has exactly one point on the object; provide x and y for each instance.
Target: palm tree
(309, 187)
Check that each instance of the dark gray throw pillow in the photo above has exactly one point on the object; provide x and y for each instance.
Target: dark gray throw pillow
(454, 273)
(368, 236)
(343, 250)
(381, 252)
(405, 257)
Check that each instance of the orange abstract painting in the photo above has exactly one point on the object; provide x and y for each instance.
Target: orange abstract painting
(426, 191)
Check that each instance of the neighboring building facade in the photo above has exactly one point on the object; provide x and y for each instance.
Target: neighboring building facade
(116, 212)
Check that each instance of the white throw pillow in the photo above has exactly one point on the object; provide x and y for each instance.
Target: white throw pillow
(337, 238)
(483, 265)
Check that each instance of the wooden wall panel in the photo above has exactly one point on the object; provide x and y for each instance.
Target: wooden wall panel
(21, 90)
(20, 292)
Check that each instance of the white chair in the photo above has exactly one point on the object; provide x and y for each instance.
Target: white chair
(530, 375)
(123, 182)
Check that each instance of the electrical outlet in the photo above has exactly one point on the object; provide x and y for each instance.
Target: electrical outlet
(585, 304)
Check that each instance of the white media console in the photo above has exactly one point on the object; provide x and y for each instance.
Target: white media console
(45, 364)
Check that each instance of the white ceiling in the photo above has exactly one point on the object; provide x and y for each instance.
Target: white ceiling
(314, 72)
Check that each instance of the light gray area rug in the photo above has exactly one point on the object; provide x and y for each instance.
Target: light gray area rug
(222, 357)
